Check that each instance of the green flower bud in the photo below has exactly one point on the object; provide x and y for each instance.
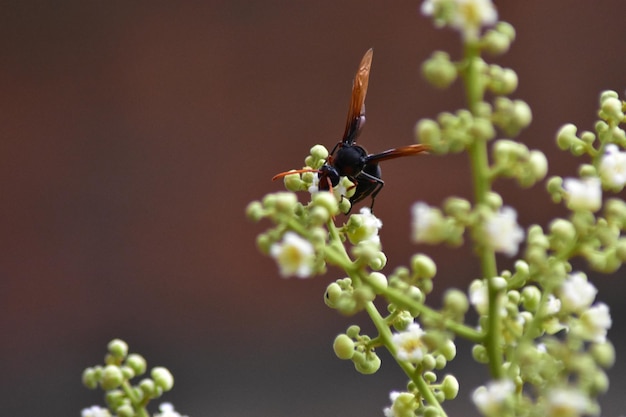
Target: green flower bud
(600, 382)
(378, 282)
(90, 379)
(494, 200)
(333, 295)
(369, 365)
(531, 296)
(255, 211)
(162, 378)
(448, 349)
(353, 331)
(439, 71)
(137, 363)
(563, 230)
(293, 182)
(495, 42)
(538, 164)
(431, 411)
(566, 136)
(112, 377)
(344, 205)
(125, 410)
(423, 266)
(127, 372)
(320, 152)
(148, 387)
(611, 108)
(450, 387)
(428, 132)
(587, 170)
(620, 249)
(326, 201)
(456, 302)
(479, 353)
(343, 347)
(118, 348)
(115, 398)
(482, 129)
(604, 354)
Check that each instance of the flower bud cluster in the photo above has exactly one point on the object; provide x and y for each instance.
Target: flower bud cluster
(341, 295)
(514, 160)
(115, 375)
(357, 348)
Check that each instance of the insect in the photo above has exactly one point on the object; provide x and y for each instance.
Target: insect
(347, 159)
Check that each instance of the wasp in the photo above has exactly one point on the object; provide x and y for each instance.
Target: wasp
(347, 159)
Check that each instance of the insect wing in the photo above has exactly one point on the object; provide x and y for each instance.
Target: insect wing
(356, 113)
(398, 152)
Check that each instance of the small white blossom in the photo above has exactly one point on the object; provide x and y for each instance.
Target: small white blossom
(553, 305)
(502, 232)
(426, 223)
(584, 194)
(467, 16)
(95, 411)
(294, 255)
(478, 296)
(409, 344)
(595, 323)
(612, 167)
(167, 410)
(368, 227)
(576, 293)
(490, 399)
(566, 402)
(402, 404)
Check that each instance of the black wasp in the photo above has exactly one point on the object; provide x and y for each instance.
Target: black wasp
(348, 159)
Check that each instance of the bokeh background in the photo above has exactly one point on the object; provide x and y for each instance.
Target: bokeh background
(133, 135)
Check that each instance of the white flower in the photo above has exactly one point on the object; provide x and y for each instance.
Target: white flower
(95, 411)
(489, 399)
(502, 231)
(595, 323)
(612, 167)
(576, 293)
(402, 404)
(409, 344)
(366, 227)
(553, 305)
(294, 255)
(426, 223)
(584, 194)
(478, 296)
(467, 16)
(566, 402)
(471, 15)
(167, 410)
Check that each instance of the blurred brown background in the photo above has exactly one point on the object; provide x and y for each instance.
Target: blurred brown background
(133, 135)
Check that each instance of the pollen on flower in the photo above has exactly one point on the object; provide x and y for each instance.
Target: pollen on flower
(409, 344)
(294, 256)
(471, 15)
(502, 232)
(584, 194)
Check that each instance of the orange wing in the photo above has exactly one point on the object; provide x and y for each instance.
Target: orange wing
(398, 152)
(356, 113)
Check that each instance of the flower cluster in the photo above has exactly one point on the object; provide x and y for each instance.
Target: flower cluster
(540, 332)
(122, 398)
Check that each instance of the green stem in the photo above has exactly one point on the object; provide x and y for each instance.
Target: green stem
(408, 303)
(482, 186)
(409, 369)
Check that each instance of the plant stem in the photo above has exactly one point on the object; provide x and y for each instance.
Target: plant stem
(409, 369)
(482, 186)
